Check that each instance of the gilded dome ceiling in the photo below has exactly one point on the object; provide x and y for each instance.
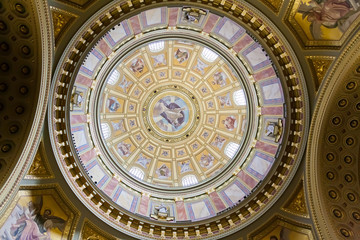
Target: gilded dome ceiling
(177, 115)
(172, 113)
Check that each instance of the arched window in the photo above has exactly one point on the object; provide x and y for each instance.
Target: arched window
(239, 98)
(113, 77)
(231, 149)
(189, 180)
(137, 172)
(156, 46)
(208, 55)
(105, 130)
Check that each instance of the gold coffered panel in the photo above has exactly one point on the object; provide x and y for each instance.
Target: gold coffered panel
(319, 66)
(40, 168)
(61, 21)
(297, 203)
(91, 232)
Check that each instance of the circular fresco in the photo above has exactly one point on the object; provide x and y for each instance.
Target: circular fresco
(170, 113)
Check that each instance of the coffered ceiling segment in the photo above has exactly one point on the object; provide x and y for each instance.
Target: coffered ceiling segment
(26, 53)
(333, 177)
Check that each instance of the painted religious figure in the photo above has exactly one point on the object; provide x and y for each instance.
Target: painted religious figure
(27, 222)
(181, 55)
(207, 160)
(225, 101)
(328, 14)
(137, 65)
(118, 126)
(124, 149)
(163, 172)
(200, 66)
(159, 60)
(219, 79)
(143, 161)
(185, 166)
(218, 142)
(170, 113)
(113, 104)
(125, 85)
(230, 123)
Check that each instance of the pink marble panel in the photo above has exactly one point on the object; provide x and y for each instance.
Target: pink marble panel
(104, 47)
(88, 156)
(78, 119)
(272, 111)
(135, 24)
(215, 198)
(144, 205)
(110, 187)
(266, 147)
(210, 23)
(180, 209)
(251, 182)
(242, 43)
(266, 73)
(81, 79)
(173, 15)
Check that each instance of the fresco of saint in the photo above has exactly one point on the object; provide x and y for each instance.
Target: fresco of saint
(163, 172)
(124, 149)
(181, 55)
(329, 14)
(207, 160)
(113, 104)
(167, 112)
(230, 123)
(137, 65)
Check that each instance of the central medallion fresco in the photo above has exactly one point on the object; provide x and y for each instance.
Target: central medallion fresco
(170, 113)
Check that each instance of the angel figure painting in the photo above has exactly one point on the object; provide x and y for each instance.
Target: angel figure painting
(34, 220)
(327, 19)
(170, 113)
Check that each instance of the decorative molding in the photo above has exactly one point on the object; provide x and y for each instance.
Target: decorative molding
(319, 66)
(274, 5)
(90, 231)
(297, 203)
(280, 228)
(40, 168)
(61, 20)
(82, 4)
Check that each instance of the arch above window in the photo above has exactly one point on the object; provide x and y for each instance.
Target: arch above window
(231, 149)
(189, 180)
(105, 130)
(156, 46)
(114, 77)
(239, 98)
(209, 55)
(137, 172)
